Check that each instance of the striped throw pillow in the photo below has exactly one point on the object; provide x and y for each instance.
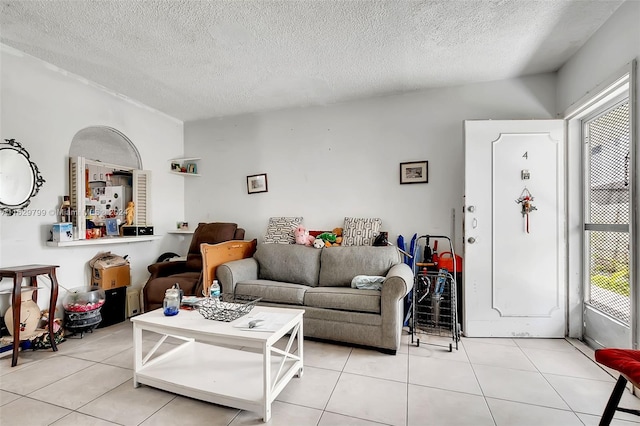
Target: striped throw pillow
(280, 230)
(360, 231)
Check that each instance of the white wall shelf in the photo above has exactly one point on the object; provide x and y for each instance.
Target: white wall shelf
(103, 240)
(185, 174)
(180, 231)
(183, 161)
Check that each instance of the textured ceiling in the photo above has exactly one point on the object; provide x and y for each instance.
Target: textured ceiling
(199, 59)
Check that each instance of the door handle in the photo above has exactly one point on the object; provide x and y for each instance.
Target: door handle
(471, 240)
(471, 209)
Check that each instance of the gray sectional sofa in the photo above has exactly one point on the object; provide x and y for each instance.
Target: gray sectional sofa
(319, 281)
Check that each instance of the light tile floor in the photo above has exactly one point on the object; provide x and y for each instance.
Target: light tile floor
(485, 382)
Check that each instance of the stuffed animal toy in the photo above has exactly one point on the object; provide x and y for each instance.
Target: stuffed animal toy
(338, 232)
(328, 237)
(318, 243)
(303, 237)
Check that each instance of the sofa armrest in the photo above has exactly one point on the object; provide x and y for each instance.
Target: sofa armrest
(230, 273)
(164, 269)
(398, 282)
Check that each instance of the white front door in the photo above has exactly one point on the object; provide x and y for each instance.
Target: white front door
(514, 265)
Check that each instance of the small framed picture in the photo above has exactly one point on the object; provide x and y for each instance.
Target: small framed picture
(175, 167)
(414, 172)
(192, 168)
(257, 183)
(112, 227)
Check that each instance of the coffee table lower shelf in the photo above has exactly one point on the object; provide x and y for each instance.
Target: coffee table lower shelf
(226, 376)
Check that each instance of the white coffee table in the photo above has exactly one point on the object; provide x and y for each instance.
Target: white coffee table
(203, 367)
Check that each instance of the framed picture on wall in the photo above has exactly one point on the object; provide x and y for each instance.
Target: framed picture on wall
(257, 183)
(414, 172)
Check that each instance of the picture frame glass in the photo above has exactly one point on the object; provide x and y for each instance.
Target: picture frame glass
(414, 172)
(257, 183)
(112, 227)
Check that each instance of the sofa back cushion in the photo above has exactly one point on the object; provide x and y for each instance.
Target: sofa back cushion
(291, 263)
(340, 264)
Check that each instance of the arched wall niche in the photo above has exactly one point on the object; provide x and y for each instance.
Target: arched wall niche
(107, 145)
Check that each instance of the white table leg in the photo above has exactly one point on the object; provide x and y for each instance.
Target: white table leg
(266, 382)
(300, 350)
(137, 353)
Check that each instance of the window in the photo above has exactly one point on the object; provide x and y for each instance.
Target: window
(607, 138)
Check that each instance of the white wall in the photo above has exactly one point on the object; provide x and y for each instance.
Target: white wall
(611, 47)
(43, 108)
(325, 163)
(615, 44)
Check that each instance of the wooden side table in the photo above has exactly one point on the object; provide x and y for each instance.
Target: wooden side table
(30, 271)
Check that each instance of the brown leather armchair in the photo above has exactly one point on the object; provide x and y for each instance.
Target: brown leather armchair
(187, 273)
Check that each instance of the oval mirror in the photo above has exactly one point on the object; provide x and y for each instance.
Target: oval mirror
(20, 179)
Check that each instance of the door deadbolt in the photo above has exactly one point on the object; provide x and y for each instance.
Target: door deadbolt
(471, 240)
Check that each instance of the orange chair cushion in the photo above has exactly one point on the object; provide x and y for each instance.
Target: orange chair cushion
(625, 361)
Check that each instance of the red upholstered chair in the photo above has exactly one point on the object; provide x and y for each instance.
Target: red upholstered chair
(627, 363)
(188, 274)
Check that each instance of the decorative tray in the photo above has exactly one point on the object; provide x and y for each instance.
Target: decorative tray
(227, 307)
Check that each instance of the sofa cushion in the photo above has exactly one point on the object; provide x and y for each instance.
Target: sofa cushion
(344, 299)
(359, 231)
(340, 264)
(291, 263)
(273, 291)
(280, 230)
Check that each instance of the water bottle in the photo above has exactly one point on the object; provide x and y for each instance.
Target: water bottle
(214, 291)
(171, 302)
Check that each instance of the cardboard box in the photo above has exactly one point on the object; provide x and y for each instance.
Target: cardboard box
(62, 231)
(108, 278)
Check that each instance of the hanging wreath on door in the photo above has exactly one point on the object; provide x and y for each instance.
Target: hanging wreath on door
(525, 200)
